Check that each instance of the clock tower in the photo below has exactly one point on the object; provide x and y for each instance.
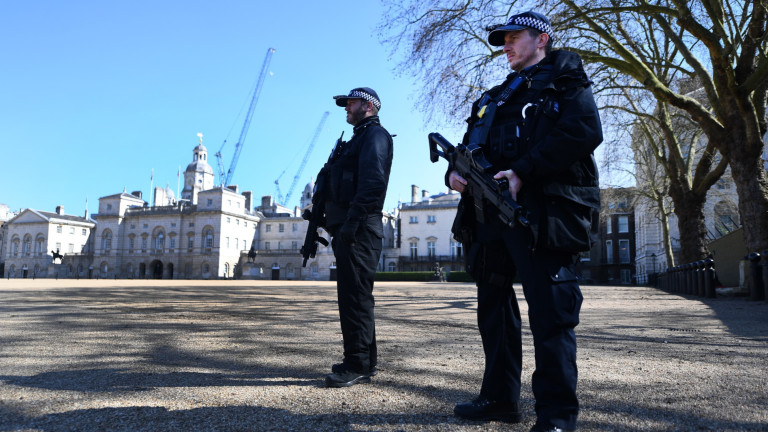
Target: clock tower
(199, 175)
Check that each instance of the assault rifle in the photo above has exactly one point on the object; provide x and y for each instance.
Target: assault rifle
(470, 163)
(316, 218)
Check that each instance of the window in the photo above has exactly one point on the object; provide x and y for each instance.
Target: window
(623, 224)
(210, 203)
(58, 229)
(414, 250)
(27, 247)
(144, 243)
(172, 242)
(266, 245)
(414, 219)
(268, 227)
(245, 245)
(624, 251)
(432, 219)
(237, 221)
(190, 242)
(237, 241)
(106, 240)
(609, 251)
(391, 267)
(295, 227)
(85, 232)
(209, 238)
(431, 249)
(71, 230)
(281, 228)
(456, 250)
(294, 245)
(609, 225)
(131, 242)
(228, 220)
(109, 206)
(191, 224)
(71, 248)
(226, 241)
(160, 241)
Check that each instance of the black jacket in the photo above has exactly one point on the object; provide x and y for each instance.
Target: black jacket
(559, 127)
(359, 174)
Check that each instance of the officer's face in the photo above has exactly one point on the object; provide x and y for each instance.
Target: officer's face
(356, 110)
(524, 50)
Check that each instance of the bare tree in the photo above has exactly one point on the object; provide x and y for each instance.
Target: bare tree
(651, 44)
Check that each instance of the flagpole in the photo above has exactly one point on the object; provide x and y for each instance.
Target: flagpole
(178, 184)
(151, 186)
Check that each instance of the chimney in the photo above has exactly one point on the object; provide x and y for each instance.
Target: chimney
(424, 195)
(248, 200)
(59, 210)
(137, 194)
(266, 201)
(414, 194)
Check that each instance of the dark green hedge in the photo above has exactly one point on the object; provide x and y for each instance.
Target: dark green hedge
(418, 276)
(421, 276)
(459, 276)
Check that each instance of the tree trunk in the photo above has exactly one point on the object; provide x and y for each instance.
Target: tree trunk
(689, 208)
(752, 188)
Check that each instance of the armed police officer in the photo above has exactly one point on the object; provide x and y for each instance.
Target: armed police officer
(355, 184)
(538, 129)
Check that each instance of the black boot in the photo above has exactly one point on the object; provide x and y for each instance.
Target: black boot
(483, 409)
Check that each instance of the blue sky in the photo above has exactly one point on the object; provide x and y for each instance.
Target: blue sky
(95, 95)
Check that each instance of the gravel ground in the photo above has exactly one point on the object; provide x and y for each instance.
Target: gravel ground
(251, 356)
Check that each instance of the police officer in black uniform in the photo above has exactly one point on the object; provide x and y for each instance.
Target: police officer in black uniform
(357, 178)
(541, 139)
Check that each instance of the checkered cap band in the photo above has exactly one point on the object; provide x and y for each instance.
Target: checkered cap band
(363, 95)
(532, 22)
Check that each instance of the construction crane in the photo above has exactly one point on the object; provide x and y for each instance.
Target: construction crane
(302, 165)
(225, 179)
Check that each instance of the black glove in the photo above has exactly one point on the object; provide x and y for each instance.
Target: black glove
(348, 230)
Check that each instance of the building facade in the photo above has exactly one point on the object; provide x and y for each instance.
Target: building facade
(34, 238)
(425, 236)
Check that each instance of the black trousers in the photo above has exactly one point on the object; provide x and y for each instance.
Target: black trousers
(551, 290)
(355, 268)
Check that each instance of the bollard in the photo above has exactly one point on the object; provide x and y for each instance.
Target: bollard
(709, 278)
(756, 290)
(700, 278)
(690, 272)
(765, 275)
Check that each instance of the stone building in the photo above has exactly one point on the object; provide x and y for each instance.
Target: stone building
(425, 236)
(32, 238)
(280, 235)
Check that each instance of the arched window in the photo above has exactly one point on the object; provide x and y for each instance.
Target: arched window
(391, 267)
(40, 245)
(106, 240)
(27, 248)
(15, 246)
(208, 236)
(160, 241)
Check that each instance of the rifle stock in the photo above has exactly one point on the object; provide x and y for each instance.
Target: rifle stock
(471, 164)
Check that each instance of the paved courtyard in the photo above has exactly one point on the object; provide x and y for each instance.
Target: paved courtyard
(251, 356)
